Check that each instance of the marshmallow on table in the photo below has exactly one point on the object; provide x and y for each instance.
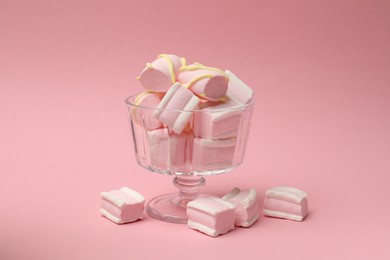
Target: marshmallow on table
(148, 100)
(211, 215)
(122, 206)
(210, 154)
(286, 202)
(217, 120)
(177, 98)
(206, 82)
(237, 89)
(247, 206)
(159, 75)
(169, 150)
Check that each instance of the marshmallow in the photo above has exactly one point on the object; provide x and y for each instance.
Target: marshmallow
(210, 154)
(122, 206)
(247, 206)
(148, 101)
(159, 75)
(237, 89)
(169, 150)
(177, 98)
(286, 202)
(210, 215)
(206, 82)
(217, 120)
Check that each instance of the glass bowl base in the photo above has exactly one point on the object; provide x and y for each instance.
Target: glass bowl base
(168, 208)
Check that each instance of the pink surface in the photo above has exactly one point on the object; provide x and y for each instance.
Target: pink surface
(321, 124)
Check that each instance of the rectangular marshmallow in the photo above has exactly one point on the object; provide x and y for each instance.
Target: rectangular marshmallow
(210, 154)
(177, 98)
(169, 150)
(217, 120)
(286, 202)
(122, 206)
(237, 89)
(247, 206)
(210, 215)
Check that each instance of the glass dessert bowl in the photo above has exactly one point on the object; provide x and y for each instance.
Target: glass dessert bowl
(212, 141)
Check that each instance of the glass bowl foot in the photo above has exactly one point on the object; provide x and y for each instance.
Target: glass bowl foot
(172, 207)
(163, 208)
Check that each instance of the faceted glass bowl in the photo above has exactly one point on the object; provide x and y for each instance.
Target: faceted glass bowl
(213, 142)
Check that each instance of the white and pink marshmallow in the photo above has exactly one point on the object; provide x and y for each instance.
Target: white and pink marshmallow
(238, 90)
(247, 206)
(286, 202)
(143, 110)
(169, 150)
(175, 109)
(211, 215)
(122, 206)
(162, 73)
(210, 154)
(206, 82)
(217, 120)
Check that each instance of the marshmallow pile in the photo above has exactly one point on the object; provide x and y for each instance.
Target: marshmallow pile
(194, 113)
(212, 215)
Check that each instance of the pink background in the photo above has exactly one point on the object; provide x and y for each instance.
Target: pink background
(321, 123)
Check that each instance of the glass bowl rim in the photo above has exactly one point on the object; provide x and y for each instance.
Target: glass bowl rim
(233, 108)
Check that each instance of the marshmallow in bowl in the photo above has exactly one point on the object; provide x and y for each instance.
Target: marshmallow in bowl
(210, 154)
(208, 104)
(122, 206)
(177, 98)
(286, 202)
(206, 82)
(217, 120)
(159, 75)
(238, 90)
(169, 150)
(147, 100)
